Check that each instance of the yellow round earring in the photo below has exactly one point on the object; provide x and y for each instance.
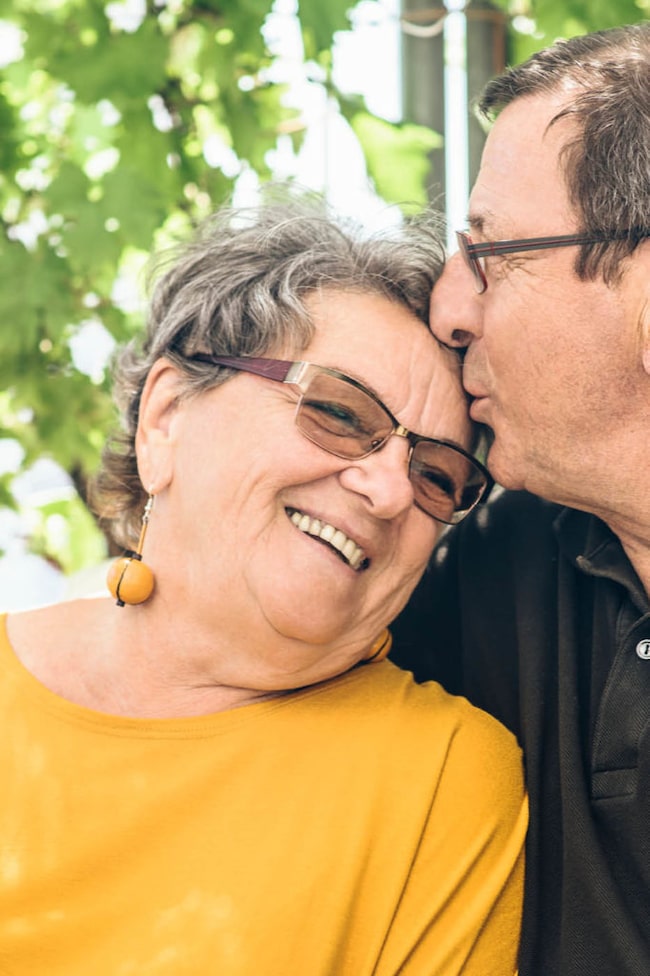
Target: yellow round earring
(380, 649)
(130, 580)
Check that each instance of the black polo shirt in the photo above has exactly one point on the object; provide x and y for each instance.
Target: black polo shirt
(536, 615)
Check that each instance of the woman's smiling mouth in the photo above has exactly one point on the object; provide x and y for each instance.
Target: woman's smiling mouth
(346, 548)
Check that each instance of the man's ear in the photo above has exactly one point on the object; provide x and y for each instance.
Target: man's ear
(154, 439)
(645, 336)
(643, 253)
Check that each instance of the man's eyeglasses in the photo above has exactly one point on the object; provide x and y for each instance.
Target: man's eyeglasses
(475, 254)
(340, 415)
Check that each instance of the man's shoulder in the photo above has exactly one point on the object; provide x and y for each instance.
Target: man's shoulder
(506, 510)
(512, 523)
(488, 578)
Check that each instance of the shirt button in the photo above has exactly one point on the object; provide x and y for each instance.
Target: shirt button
(643, 650)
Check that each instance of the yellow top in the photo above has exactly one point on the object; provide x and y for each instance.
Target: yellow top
(363, 826)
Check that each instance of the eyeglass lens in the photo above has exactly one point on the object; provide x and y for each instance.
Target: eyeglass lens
(347, 422)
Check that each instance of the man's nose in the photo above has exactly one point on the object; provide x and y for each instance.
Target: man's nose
(456, 309)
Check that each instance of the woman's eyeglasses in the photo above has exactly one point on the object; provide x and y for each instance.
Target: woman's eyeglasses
(340, 415)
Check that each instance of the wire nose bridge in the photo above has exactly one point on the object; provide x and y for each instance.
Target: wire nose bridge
(400, 431)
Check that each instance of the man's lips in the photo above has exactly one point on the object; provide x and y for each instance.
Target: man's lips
(477, 407)
(473, 386)
(473, 376)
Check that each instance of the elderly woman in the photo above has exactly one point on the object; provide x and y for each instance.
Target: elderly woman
(220, 775)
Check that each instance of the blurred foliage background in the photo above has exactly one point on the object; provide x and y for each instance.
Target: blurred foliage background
(123, 124)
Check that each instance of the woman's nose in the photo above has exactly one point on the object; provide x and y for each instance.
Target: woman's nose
(382, 478)
(456, 309)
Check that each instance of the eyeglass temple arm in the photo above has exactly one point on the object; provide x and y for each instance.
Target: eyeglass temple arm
(526, 244)
(272, 369)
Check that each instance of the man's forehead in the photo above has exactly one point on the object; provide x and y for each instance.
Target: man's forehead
(521, 176)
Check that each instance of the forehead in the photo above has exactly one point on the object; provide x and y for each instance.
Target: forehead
(520, 190)
(369, 334)
(386, 347)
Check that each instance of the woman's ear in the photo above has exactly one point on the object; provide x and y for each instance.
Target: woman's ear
(155, 436)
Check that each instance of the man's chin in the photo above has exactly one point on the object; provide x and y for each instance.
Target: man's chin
(503, 468)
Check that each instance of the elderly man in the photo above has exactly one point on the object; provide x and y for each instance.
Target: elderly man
(538, 607)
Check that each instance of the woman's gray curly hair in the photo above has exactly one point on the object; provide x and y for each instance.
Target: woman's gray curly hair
(238, 289)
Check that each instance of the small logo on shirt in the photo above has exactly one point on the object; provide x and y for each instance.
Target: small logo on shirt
(643, 650)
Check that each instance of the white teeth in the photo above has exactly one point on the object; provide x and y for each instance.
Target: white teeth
(338, 540)
(327, 532)
(349, 550)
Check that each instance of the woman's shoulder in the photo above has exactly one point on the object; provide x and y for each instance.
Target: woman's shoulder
(423, 711)
(433, 744)
(43, 625)
(481, 762)
(49, 641)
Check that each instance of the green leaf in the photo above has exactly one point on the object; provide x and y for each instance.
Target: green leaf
(9, 143)
(243, 20)
(397, 157)
(568, 18)
(88, 242)
(320, 21)
(68, 191)
(7, 499)
(96, 63)
(136, 202)
(35, 299)
(68, 535)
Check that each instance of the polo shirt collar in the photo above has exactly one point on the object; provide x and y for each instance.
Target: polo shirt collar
(592, 546)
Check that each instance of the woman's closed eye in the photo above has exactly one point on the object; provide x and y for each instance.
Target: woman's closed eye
(435, 480)
(337, 418)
